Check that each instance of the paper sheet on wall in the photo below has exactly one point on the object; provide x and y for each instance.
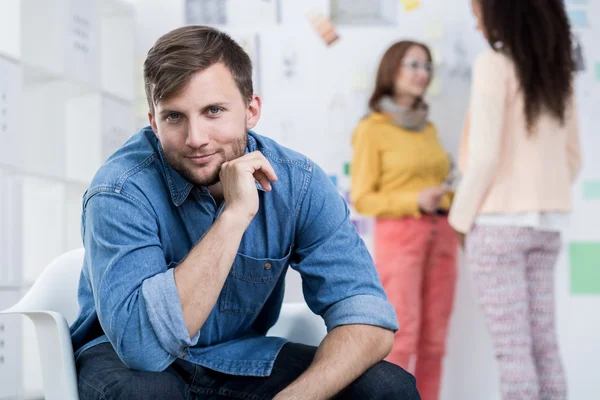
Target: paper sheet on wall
(323, 26)
(359, 81)
(435, 88)
(363, 12)
(410, 5)
(438, 56)
(434, 30)
(578, 18)
(585, 267)
(591, 190)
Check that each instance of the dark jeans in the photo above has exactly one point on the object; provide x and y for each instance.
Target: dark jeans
(102, 375)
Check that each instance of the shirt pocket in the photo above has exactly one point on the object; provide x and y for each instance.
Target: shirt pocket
(250, 283)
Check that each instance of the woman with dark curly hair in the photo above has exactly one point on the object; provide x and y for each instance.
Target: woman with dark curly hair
(519, 156)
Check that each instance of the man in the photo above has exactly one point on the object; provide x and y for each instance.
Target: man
(189, 229)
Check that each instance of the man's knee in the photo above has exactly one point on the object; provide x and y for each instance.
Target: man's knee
(384, 381)
(134, 385)
(102, 375)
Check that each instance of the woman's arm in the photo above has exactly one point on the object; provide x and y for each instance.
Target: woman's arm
(486, 125)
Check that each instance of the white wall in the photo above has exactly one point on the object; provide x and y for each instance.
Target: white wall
(315, 111)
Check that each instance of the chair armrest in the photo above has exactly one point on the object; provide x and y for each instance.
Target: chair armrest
(56, 352)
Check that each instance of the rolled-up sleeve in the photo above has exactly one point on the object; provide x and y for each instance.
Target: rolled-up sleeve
(339, 279)
(136, 299)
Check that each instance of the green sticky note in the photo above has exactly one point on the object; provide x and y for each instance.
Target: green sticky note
(591, 190)
(584, 258)
(347, 169)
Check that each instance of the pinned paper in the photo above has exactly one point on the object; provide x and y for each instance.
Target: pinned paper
(591, 190)
(578, 18)
(347, 197)
(438, 56)
(323, 26)
(434, 30)
(435, 88)
(584, 258)
(410, 5)
(362, 226)
(359, 81)
(347, 169)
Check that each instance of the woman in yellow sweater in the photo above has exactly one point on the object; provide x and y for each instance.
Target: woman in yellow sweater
(398, 173)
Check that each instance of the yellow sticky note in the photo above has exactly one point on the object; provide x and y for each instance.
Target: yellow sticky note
(434, 30)
(410, 5)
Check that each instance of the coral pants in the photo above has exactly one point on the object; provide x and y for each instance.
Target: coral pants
(416, 261)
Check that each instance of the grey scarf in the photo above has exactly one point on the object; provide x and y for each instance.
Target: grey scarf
(412, 119)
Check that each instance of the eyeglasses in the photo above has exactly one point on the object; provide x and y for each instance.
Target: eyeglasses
(415, 65)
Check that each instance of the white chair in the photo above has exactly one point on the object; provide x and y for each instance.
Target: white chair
(51, 304)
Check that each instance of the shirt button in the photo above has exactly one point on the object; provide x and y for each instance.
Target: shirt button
(268, 265)
(182, 355)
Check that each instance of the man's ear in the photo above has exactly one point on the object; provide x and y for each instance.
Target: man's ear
(153, 123)
(253, 111)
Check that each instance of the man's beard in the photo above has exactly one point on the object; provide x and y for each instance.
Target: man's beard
(176, 161)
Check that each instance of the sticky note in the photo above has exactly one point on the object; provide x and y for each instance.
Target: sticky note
(362, 226)
(410, 5)
(435, 87)
(347, 197)
(347, 169)
(438, 56)
(359, 81)
(591, 190)
(584, 258)
(434, 30)
(578, 18)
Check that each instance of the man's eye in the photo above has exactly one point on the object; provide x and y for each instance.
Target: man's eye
(174, 116)
(214, 110)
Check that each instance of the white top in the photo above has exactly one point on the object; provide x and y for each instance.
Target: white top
(543, 221)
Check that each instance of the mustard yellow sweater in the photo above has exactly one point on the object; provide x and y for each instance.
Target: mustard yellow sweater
(392, 165)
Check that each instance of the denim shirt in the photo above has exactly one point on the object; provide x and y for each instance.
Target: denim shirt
(141, 218)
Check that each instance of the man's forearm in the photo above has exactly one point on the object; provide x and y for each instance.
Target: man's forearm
(343, 356)
(200, 277)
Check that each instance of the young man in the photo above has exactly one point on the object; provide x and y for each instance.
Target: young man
(189, 229)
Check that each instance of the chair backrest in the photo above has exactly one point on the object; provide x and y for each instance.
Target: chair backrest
(56, 287)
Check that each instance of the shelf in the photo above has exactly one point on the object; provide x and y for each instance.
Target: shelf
(10, 109)
(62, 38)
(117, 49)
(10, 29)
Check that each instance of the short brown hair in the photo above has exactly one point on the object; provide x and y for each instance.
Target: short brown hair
(179, 54)
(388, 70)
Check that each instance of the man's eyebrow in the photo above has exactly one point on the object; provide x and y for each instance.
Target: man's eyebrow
(217, 104)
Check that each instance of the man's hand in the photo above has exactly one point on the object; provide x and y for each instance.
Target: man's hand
(429, 199)
(345, 354)
(239, 189)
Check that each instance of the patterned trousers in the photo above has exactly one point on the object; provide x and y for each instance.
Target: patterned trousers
(513, 272)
